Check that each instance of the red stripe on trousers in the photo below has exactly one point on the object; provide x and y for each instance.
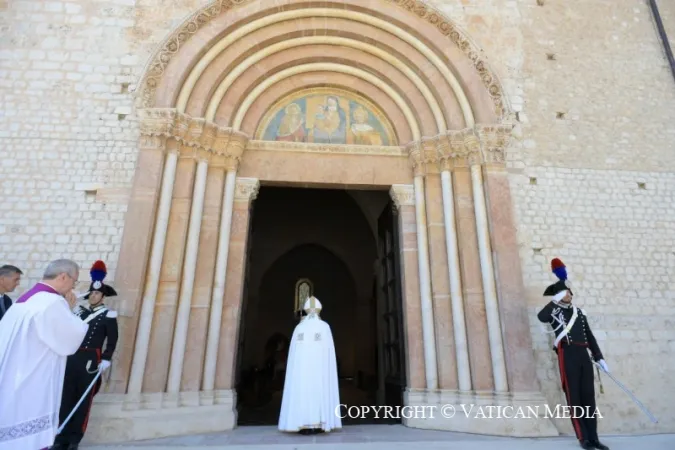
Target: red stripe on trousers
(563, 377)
(91, 395)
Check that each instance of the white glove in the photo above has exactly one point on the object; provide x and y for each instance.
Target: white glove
(103, 365)
(603, 365)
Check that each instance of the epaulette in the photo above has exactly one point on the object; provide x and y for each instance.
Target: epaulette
(111, 314)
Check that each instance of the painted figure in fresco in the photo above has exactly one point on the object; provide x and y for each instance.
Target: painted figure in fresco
(330, 124)
(291, 127)
(362, 131)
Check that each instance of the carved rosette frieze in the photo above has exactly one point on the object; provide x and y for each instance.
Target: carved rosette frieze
(195, 136)
(402, 195)
(246, 189)
(494, 140)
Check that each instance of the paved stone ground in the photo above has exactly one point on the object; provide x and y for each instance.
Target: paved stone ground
(379, 437)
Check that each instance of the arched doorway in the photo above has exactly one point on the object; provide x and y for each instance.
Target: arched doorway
(323, 240)
(379, 95)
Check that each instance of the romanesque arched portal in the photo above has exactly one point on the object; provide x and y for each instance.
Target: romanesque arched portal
(386, 94)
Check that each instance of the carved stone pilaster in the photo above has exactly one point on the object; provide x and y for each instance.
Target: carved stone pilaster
(246, 189)
(494, 140)
(423, 156)
(196, 137)
(402, 195)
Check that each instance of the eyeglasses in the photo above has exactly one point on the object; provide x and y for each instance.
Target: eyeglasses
(76, 282)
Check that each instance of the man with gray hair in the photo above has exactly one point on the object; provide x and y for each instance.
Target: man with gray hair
(36, 336)
(10, 277)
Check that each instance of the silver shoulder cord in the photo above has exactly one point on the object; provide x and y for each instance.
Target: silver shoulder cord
(561, 323)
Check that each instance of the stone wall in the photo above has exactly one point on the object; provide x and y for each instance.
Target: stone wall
(593, 179)
(592, 174)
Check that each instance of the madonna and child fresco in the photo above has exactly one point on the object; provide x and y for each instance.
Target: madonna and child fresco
(327, 119)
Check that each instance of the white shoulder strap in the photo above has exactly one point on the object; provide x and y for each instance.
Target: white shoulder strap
(96, 314)
(569, 326)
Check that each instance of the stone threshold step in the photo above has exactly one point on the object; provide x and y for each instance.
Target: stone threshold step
(652, 442)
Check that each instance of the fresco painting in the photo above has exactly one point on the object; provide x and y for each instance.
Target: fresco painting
(326, 118)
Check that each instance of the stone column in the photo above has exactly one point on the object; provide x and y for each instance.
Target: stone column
(487, 271)
(246, 191)
(520, 363)
(419, 160)
(158, 123)
(448, 148)
(232, 148)
(152, 180)
(438, 257)
(403, 196)
(188, 273)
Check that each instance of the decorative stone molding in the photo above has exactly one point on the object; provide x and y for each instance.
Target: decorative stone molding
(402, 194)
(459, 148)
(246, 189)
(370, 150)
(423, 156)
(494, 140)
(171, 46)
(483, 144)
(196, 137)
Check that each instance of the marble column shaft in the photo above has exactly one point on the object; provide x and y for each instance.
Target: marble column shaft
(152, 281)
(403, 196)
(246, 191)
(188, 276)
(184, 134)
(216, 310)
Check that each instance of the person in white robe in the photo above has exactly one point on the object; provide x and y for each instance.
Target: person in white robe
(311, 397)
(36, 336)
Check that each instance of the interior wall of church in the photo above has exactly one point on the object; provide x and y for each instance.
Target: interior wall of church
(592, 173)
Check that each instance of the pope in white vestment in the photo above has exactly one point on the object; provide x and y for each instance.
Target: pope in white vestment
(36, 336)
(311, 398)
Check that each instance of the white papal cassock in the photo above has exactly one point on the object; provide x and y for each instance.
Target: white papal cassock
(311, 397)
(36, 336)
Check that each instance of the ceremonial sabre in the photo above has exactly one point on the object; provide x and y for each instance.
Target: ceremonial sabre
(81, 400)
(630, 394)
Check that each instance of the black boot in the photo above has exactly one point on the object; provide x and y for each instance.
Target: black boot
(599, 445)
(73, 446)
(586, 445)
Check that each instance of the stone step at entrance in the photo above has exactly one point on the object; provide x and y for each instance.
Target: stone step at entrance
(377, 437)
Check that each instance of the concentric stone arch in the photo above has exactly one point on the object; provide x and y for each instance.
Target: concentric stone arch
(202, 159)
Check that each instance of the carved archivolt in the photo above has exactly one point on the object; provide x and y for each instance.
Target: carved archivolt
(195, 136)
(192, 25)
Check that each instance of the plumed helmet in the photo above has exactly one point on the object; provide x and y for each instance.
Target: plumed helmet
(98, 273)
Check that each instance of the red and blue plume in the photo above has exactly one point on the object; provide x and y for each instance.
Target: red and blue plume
(558, 269)
(98, 271)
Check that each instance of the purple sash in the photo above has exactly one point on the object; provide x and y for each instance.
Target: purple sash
(40, 287)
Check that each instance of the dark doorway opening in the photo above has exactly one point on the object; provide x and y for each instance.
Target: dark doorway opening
(342, 247)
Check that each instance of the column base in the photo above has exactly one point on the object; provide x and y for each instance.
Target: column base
(119, 418)
(481, 413)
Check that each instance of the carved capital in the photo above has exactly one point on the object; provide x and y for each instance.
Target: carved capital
(246, 189)
(152, 142)
(423, 156)
(402, 194)
(196, 136)
(494, 140)
(458, 148)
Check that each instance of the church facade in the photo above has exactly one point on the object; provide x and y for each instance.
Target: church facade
(504, 133)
